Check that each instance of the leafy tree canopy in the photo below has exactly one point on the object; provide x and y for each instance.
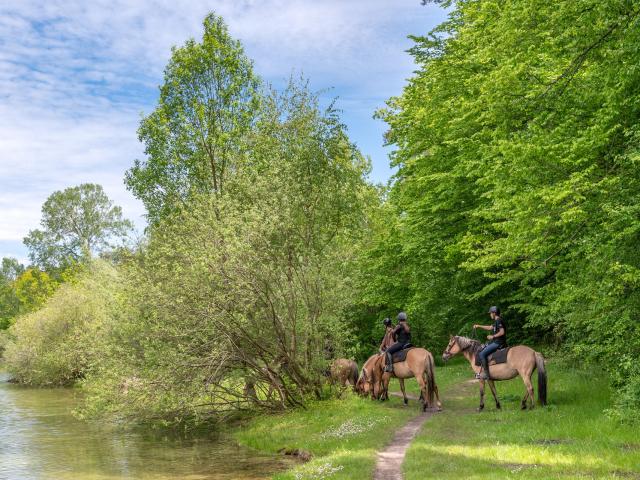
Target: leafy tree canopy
(76, 223)
(196, 136)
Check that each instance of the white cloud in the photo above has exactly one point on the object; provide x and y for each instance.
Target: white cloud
(75, 75)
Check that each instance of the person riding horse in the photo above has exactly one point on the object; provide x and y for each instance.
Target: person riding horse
(402, 337)
(498, 339)
(387, 340)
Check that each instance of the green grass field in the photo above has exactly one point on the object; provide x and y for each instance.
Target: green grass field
(570, 438)
(343, 435)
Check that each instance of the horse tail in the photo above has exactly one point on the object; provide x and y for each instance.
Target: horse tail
(542, 379)
(430, 379)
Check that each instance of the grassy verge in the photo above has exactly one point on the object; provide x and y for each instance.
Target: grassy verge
(342, 435)
(571, 438)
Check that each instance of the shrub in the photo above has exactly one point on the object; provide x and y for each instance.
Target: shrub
(55, 345)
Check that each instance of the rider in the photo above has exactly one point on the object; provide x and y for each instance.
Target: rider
(402, 337)
(498, 339)
(388, 334)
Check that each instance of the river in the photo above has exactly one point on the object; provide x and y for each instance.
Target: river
(41, 440)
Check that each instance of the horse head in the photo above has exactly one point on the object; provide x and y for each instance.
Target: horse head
(453, 348)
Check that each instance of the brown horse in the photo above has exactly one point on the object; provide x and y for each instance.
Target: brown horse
(419, 364)
(365, 385)
(521, 360)
(343, 371)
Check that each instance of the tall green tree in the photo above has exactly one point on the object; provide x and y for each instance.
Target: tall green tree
(76, 223)
(9, 301)
(516, 147)
(258, 275)
(196, 136)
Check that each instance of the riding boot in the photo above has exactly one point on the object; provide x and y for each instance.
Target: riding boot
(389, 366)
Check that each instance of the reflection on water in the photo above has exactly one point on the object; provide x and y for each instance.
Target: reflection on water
(40, 439)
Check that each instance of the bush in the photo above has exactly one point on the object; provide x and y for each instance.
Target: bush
(55, 345)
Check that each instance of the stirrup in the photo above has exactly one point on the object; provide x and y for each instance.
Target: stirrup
(482, 376)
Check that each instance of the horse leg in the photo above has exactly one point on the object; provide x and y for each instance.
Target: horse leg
(404, 394)
(385, 387)
(481, 406)
(527, 382)
(423, 392)
(492, 386)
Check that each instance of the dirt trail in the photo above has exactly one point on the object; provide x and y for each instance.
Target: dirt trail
(389, 461)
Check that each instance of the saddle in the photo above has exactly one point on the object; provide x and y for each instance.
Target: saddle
(499, 356)
(401, 356)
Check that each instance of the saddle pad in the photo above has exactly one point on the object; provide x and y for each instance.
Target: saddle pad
(401, 356)
(499, 356)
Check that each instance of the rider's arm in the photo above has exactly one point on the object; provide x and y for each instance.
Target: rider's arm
(484, 327)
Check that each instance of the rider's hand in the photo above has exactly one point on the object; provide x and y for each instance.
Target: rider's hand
(475, 326)
(489, 337)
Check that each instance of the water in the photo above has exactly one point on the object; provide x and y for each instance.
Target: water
(41, 440)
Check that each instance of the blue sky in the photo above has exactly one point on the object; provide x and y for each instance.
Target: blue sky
(75, 76)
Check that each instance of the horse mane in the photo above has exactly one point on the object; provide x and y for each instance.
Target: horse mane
(465, 343)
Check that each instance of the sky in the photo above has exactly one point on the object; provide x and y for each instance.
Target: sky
(76, 77)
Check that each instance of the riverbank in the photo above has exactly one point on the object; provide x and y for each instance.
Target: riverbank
(570, 438)
(40, 439)
(343, 436)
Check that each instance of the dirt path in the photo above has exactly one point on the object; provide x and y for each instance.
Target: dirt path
(389, 461)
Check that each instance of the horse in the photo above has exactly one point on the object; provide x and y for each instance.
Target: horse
(419, 364)
(365, 385)
(343, 371)
(521, 360)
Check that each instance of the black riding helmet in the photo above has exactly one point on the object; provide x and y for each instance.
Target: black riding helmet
(402, 317)
(387, 322)
(495, 310)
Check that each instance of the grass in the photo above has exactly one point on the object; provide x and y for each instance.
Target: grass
(570, 438)
(342, 435)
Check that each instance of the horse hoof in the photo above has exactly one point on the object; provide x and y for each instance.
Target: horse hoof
(498, 406)
(406, 402)
(523, 407)
(479, 409)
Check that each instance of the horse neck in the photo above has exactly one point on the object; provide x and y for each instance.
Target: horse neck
(470, 356)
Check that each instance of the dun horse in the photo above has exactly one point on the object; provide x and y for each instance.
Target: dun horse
(521, 360)
(343, 371)
(419, 364)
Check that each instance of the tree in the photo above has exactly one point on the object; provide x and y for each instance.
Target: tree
(33, 288)
(195, 138)
(76, 223)
(237, 301)
(9, 302)
(517, 146)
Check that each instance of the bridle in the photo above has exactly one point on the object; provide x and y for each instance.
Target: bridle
(450, 346)
(454, 340)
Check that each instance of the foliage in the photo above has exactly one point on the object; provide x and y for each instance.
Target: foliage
(55, 344)
(32, 288)
(77, 222)
(9, 302)
(236, 301)
(196, 136)
(517, 185)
